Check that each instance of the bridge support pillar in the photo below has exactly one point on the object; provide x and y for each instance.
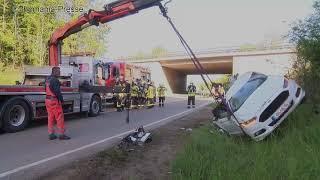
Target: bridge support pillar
(174, 81)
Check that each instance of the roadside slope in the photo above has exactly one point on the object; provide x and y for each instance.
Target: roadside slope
(153, 161)
(292, 152)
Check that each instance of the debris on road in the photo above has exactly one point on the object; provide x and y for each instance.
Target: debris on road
(186, 129)
(138, 137)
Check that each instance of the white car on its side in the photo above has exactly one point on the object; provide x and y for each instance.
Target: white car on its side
(259, 104)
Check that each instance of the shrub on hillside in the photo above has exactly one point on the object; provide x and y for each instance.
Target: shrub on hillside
(306, 35)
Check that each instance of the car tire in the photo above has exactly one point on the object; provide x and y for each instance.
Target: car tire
(95, 106)
(16, 116)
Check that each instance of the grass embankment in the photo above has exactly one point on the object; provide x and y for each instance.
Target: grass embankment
(9, 76)
(292, 152)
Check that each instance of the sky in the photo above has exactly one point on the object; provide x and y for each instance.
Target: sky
(205, 24)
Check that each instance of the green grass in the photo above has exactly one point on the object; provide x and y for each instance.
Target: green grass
(292, 152)
(8, 77)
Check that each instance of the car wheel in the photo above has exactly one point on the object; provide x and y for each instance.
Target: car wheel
(95, 106)
(16, 116)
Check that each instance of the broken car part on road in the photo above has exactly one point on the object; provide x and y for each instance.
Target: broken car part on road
(138, 137)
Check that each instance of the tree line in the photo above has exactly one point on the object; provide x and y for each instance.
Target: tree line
(24, 35)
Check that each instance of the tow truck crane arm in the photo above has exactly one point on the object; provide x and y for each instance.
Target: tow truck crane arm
(112, 11)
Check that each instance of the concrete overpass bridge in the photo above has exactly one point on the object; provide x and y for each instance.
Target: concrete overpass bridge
(172, 69)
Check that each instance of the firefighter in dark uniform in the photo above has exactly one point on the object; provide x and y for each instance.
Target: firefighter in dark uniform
(161, 94)
(217, 91)
(142, 94)
(150, 95)
(191, 95)
(134, 95)
(138, 83)
(127, 97)
(155, 92)
(118, 96)
(54, 101)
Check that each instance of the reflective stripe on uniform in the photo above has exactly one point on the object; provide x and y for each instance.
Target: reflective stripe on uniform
(191, 94)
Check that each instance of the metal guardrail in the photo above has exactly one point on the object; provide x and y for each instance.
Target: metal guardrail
(234, 49)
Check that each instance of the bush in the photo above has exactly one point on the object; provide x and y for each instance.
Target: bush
(8, 76)
(306, 35)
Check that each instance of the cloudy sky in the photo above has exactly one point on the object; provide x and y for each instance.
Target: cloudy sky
(205, 24)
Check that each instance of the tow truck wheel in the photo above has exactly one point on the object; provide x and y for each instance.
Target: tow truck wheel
(16, 116)
(95, 106)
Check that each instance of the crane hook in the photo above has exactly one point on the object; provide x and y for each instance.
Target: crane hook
(165, 4)
(164, 8)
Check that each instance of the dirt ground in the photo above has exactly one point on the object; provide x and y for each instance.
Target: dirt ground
(149, 162)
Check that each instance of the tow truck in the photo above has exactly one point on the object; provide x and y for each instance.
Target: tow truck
(83, 91)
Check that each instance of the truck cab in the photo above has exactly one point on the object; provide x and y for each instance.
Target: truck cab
(95, 74)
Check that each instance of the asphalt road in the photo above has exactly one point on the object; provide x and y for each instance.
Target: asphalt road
(29, 154)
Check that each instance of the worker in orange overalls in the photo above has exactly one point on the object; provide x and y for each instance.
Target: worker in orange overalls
(54, 101)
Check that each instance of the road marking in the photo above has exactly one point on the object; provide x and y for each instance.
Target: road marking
(21, 168)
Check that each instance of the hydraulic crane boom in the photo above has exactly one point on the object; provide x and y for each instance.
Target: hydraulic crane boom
(112, 11)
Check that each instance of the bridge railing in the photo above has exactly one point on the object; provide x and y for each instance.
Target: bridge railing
(219, 50)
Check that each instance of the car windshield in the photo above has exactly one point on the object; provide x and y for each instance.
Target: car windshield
(246, 90)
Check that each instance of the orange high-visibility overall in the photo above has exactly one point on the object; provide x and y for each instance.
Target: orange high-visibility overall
(55, 112)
